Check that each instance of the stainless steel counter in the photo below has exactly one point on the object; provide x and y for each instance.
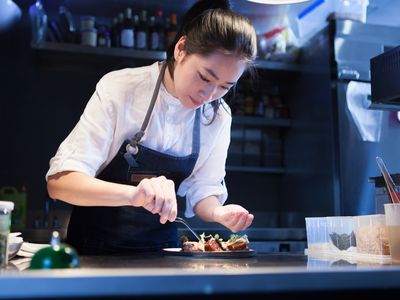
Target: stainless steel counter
(155, 275)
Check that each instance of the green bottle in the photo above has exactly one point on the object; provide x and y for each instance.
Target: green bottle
(56, 256)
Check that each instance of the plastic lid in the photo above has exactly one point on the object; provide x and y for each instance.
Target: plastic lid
(6, 205)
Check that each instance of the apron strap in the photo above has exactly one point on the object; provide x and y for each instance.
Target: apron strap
(196, 133)
(132, 146)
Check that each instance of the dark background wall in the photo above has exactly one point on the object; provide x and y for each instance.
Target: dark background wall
(39, 106)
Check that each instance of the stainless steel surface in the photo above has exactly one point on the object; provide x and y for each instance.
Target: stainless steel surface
(154, 275)
(355, 43)
(180, 220)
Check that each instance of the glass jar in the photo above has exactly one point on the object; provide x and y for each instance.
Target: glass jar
(6, 207)
(89, 37)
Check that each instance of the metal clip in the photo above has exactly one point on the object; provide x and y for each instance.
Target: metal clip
(132, 149)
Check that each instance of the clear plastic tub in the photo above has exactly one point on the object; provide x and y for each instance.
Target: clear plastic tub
(371, 235)
(341, 234)
(313, 18)
(351, 9)
(317, 234)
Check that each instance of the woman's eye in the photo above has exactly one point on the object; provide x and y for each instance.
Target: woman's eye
(225, 88)
(203, 78)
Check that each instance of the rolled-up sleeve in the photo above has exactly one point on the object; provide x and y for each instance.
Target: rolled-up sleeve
(86, 148)
(208, 177)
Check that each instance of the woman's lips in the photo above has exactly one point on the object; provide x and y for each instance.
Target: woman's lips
(195, 102)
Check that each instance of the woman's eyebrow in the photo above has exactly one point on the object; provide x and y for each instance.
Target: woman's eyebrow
(212, 73)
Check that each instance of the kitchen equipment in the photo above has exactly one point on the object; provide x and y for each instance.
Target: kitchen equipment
(180, 220)
(393, 189)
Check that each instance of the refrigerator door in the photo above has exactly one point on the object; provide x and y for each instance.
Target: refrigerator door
(357, 157)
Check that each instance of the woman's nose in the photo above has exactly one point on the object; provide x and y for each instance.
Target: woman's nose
(207, 93)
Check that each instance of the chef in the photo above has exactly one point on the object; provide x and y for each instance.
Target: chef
(151, 133)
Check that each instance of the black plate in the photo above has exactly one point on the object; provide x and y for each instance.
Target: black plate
(210, 254)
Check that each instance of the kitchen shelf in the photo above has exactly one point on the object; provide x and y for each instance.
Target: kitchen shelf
(148, 55)
(100, 51)
(260, 122)
(261, 170)
(287, 67)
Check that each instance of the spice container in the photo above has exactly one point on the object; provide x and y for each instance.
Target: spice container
(6, 208)
(341, 234)
(317, 235)
(89, 37)
(87, 22)
(371, 234)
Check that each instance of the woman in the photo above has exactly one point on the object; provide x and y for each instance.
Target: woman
(150, 132)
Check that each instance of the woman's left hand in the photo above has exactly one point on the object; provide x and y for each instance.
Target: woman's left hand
(232, 216)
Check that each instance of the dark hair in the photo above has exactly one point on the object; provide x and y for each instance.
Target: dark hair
(211, 26)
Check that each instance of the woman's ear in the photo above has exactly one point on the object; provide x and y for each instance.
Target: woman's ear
(179, 51)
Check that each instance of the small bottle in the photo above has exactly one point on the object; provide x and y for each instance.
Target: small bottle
(171, 30)
(39, 22)
(128, 31)
(103, 37)
(6, 207)
(119, 27)
(142, 31)
(159, 28)
(114, 33)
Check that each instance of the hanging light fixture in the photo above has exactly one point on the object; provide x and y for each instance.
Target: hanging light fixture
(278, 1)
(9, 14)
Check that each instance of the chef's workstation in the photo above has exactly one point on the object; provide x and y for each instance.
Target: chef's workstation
(312, 155)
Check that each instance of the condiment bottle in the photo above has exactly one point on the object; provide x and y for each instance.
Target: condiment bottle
(6, 207)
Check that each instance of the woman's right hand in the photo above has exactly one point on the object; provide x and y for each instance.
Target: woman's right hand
(157, 195)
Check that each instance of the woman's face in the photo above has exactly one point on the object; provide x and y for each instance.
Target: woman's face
(200, 79)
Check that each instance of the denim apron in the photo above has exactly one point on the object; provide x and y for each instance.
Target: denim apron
(128, 229)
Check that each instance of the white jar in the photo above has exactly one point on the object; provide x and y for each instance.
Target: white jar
(86, 22)
(89, 37)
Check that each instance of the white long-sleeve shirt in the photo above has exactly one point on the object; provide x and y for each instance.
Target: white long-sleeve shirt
(115, 113)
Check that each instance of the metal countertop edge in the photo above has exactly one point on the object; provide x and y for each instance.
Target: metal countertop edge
(110, 284)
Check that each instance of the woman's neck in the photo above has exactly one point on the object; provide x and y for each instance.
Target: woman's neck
(168, 82)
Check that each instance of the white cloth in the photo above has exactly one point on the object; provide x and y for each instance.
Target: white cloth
(116, 111)
(368, 122)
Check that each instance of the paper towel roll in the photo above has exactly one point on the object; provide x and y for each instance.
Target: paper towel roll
(367, 121)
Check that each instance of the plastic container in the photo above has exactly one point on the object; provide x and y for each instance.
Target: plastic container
(392, 217)
(19, 198)
(351, 9)
(89, 37)
(341, 234)
(6, 207)
(371, 234)
(317, 234)
(313, 18)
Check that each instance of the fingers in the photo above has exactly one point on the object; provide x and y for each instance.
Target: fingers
(159, 197)
(237, 220)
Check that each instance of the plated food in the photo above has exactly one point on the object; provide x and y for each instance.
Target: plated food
(210, 243)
